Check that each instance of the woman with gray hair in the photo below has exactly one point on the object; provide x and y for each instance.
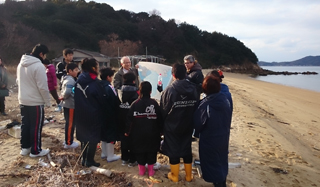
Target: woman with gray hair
(194, 72)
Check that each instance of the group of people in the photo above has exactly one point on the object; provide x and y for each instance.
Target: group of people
(125, 112)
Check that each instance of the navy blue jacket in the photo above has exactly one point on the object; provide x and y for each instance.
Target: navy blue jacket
(212, 121)
(88, 103)
(226, 92)
(111, 104)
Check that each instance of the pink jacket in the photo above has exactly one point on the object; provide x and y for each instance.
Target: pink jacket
(51, 76)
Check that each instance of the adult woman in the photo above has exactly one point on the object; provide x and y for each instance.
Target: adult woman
(212, 121)
(88, 111)
(3, 85)
(194, 72)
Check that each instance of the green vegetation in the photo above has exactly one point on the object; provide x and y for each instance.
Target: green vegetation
(83, 25)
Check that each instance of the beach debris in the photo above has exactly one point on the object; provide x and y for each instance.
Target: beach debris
(154, 180)
(15, 131)
(84, 172)
(279, 170)
(196, 163)
(284, 122)
(43, 164)
(28, 166)
(234, 165)
(316, 148)
(103, 171)
(50, 161)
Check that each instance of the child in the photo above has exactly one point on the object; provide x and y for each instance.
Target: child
(61, 69)
(67, 95)
(129, 93)
(52, 80)
(88, 108)
(109, 128)
(144, 124)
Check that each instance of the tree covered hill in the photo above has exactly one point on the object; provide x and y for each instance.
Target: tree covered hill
(98, 27)
(306, 61)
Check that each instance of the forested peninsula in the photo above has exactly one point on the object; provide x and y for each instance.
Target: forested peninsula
(98, 27)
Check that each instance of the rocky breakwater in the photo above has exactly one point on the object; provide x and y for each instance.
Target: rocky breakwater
(255, 70)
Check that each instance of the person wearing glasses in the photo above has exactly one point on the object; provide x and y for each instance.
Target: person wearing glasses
(194, 72)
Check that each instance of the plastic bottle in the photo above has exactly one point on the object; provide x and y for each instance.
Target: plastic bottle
(160, 80)
(159, 85)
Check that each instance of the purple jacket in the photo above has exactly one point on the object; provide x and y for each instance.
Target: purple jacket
(51, 76)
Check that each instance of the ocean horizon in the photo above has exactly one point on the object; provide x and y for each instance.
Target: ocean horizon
(308, 82)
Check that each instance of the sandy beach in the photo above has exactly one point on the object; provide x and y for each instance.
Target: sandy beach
(275, 136)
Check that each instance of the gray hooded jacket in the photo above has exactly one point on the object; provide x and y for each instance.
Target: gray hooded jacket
(67, 94)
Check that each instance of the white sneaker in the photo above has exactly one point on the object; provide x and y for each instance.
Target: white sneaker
(44, 152)
(25, 151)
(72, 146)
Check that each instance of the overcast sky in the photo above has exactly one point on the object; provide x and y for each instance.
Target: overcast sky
(275, 30)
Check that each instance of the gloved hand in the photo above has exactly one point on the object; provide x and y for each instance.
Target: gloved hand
(160, 88)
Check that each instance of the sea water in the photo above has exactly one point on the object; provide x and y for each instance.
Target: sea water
(309, 82)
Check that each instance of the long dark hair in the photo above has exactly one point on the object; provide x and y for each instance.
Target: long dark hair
(145, 89)
(87, 65)
(39, 48)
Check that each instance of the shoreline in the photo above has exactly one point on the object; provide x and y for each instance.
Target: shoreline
(250, 76)
(275, 133)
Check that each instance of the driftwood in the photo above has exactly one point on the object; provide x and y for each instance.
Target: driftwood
(50, 160)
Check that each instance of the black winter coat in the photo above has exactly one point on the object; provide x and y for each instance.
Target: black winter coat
(144, 124)
(110, 105)
(178, 103)
(88, 103)
(212, 122)
(195, 76)
(128, 95)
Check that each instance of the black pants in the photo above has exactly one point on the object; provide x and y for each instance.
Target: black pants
(2, 105)
(186, 160)
(31, 128)
(146, 158)
(55, 96)
(126, 155)
(89, 151)
(69, 127)
(220, 184)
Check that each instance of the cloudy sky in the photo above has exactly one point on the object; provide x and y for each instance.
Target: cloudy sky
(275, 30)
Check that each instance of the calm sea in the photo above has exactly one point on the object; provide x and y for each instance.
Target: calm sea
(309, 82)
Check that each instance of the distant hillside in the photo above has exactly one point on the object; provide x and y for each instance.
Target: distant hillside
(98, 27)
(306, 61)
